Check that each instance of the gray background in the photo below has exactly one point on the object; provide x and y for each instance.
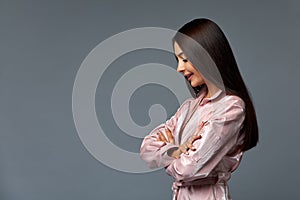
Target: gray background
(42, 45)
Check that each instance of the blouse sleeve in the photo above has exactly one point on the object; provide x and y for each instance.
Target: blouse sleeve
(219, 135)
(155, 153)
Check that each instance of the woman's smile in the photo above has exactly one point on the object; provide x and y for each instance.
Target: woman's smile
(190, 77)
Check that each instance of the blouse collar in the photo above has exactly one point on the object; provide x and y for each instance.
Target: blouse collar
(203, 92)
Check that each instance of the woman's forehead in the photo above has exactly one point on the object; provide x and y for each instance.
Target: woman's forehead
(177, 50)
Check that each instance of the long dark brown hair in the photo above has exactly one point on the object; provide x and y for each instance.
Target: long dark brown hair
(211, 38)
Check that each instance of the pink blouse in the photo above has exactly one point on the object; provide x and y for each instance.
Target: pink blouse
(203, 173)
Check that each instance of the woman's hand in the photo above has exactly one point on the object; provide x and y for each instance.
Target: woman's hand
(169, 138)
(183, 148)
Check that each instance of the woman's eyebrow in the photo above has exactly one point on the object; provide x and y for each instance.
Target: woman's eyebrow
(180, 54)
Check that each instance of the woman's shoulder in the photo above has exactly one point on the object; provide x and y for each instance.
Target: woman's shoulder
(234, 100)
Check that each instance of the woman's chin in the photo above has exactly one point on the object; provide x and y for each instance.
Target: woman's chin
(193, 84)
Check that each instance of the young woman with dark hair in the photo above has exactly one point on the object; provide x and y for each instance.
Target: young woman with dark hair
(203, 143)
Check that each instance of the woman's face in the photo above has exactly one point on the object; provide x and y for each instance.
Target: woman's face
(186, 68)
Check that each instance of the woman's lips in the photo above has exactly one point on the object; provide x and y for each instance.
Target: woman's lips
(188, 76)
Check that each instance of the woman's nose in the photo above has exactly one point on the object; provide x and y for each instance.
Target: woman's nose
(180, 67)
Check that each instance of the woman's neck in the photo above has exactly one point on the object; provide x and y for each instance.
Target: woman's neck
(211, 90)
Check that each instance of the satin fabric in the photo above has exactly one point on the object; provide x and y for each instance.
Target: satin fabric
(203, 173)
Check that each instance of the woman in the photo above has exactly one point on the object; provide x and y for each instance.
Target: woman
(203, 143)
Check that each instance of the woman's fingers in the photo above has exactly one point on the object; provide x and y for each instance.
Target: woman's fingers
(161, 137)
(195, 137)
(200, 127)
(188, 145)
(184, 148)
(191, 147)
(170, 136)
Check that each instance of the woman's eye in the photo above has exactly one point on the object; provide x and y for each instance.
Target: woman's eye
(185, 60)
